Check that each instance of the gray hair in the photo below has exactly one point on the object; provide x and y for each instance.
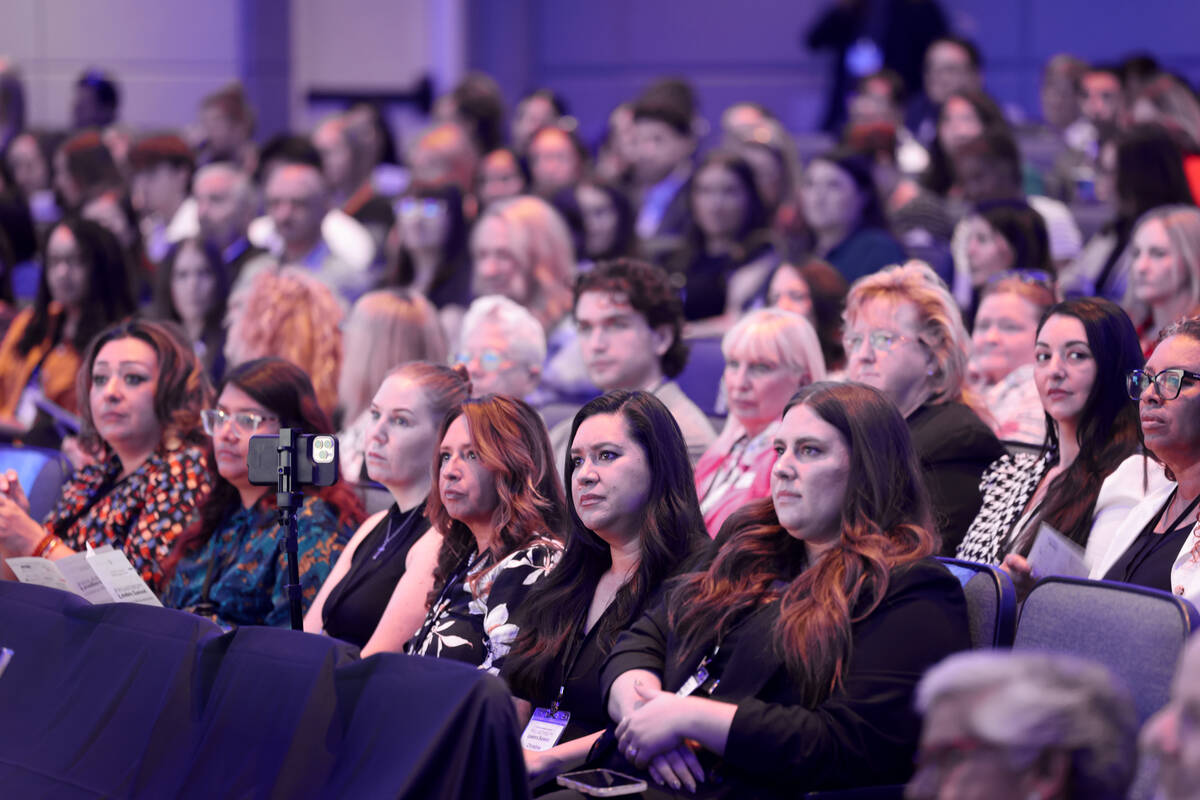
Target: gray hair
(524, 334)
(1029, 702)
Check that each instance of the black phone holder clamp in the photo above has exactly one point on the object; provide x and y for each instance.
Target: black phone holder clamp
(290, 499)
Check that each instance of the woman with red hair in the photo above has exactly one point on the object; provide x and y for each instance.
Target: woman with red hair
(789, 663)
(501, 510)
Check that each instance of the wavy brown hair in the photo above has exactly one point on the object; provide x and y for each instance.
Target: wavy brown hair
(885, 524)
(511, 441)
(181, 391)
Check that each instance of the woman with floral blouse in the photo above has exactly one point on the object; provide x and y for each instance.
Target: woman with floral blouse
(141, 390)
(500, 506)
(228, 564)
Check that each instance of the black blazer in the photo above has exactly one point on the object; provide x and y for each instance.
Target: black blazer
(864, 734)
(955, 447)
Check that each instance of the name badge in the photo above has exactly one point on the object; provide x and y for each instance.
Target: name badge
(693, 683)
(544, 729)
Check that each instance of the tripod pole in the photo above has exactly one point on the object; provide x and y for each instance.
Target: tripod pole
(289, 502)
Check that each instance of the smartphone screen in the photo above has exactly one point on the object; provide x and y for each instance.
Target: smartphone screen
(601, 779)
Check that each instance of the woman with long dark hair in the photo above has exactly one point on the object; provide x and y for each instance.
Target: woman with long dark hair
(788, 663)
(431, 252)
(500, 507)
(728, 251)
(83, 289)
(192, 288)
(1084, 350)
(634, 519)
(842, 208)
(228, 564)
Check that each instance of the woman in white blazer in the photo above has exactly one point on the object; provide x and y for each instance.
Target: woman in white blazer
(1158, 545)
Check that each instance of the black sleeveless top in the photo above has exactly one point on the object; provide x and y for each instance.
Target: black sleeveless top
(354, 607)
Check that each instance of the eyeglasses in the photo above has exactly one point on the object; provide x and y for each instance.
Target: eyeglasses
(489, 360)
(880, 341)
(427, 207)
(245, 423)
(1167, 383)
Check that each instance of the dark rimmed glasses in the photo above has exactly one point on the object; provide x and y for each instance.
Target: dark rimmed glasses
(1167, 382)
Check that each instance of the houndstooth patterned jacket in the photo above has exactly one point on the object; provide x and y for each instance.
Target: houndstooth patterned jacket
(1006, 487)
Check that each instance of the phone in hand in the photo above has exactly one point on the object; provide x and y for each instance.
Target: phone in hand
(602, 783)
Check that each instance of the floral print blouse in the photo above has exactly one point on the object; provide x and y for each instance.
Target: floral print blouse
(239, 576)
(476, 627)
(140, 514)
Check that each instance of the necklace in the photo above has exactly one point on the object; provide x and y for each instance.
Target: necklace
(395, 528)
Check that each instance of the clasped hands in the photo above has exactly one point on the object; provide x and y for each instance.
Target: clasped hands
(652, 737)
(19, 533)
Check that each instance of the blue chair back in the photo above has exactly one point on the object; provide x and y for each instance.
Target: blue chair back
(991, 602)
(1138, 633)
(42, 473)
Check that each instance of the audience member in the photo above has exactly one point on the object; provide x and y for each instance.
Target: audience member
(558, 159)
(1167, 101)
(1002, 355)
(348, 164)
(536, 110)
(384, 330)
(1002, 724)
(617, 152)
(502, 347)
(292, 315)
(371, 128)
(905, 337)
(30, 158)
(664, 142)
(630, 324)
(1090, 470)
(162, 172)
(431, 252)
(1168, 739)
(1155, 544)
(83, 170)
(789, 695)
(817, 292)
(879, 100)
(226, 121)
(193, 290)
(1006, 236)
(388, 565)
(728, 251)
(842, 210)
(952, 64)
(12, 102)
(1059, 93)
(633, 522)
(141, 391)
(228, 565)
(95, 100)
(601, 220)
(967, 114)
(501, 175)
(444, 155)
(83, 288)
(476, 104)
(225, 207)
(500, 509)
(297, 201)
(1164, 270)
(1148, 173)
(769, 355)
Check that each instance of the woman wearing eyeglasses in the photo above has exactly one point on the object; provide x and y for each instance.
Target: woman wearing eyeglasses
(904, 336)
(1156, 544)
(1089, 472)
(228, 564)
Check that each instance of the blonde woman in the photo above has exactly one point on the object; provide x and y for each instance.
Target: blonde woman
(905, 337)
(1164, 271)
(385, 329)
(769, 355)
(294, 316)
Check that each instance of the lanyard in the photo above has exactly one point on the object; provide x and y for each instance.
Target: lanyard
(447, 588)
(574, 650)
(1156, 541)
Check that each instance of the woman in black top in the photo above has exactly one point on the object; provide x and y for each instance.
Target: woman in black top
(395, 544)
(634, 520)
(789, 663)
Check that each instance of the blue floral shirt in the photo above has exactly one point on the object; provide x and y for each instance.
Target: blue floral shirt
(249, 565)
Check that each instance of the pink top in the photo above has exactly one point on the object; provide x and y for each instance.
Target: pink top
(730, 476)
